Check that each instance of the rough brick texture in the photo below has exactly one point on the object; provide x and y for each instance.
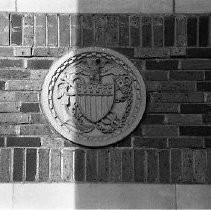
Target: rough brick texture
(170, 145)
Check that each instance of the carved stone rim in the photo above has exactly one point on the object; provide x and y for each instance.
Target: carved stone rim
(70, 135)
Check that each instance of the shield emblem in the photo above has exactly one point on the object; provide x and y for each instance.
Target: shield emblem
(95, 101)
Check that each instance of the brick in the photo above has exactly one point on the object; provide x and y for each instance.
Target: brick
(196, 64)
(23, 142)
(75, 30)
(9, 130)
(1, 141)
(112, 33)
(137, 131)
(28, 30)
(31, 164)
(169, 24)
(38, 74)
(88, 30)
(128, 52)
(55, 170)
(138, 63)
(35, 129)
(30, 107)
(52, 25)
(141, 142)
(37, 118)
(208, 174)
(177, 86)
(199, 166)
(40, 29)
(192, 31)
(204, 86)
(164, 166)
(149, 52)
(91, 165)
(207, 142)
(163, 108)
(187, 166)
(123, 30)
(43, 165)
(79, 165)
(6, 51)
(207, 97)
(9, 107)
(48, 143)
(176, 166)
(203, 30)
(26, 96)
(18, 164)
(125, 142)
(181, 31)
(39, 64)
(183, 119)
(146, 32)
(103, 165)
(206, 119)
(177, 52)
(5, 165)
(152, 166)
(100, 30)
(115, 165)
(16, 29)
(186, 75)
(207, 75)
(11, 63)
(64, 30)
(195, 108)
(127, 165)
(4, 29)
(2, 85)
(139, 165)
(155, 75)
(153, 119)
(6, 96)
(67, 165)
(195, 130)
(177, 97)
(134, 30)
(14, 118)
(194, 142)
(14, 74)
(162, 64)
(23, 85)
(22, 51)
(49, 51)
(198, 52)
(159, 130)
(158, 31)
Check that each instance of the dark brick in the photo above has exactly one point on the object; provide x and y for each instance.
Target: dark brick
(36, 129)
(75, 30)
(18, 160)
(149, 142)
(30, 107)
(4, 29)
(206, 119)
(10, 63)
(52, 25)
(2, 85)
(115, 165)
(186, 143)
(195, 130)
(158, 31)
(127, 165)
(79, 165)
(204, 86)
(162, 108)
(137, 131)
(152, 166)
(103, 165)
(203, 30)
(155, 75)
(1, 141)
(164, 166)
(39, 64)
(28, 30)
(139, 165)
(176, 166)
(31, 158)
(55, 165)
(162, 64)
(112, 38)
(14, 74)
(16, 29)
(207, 75)
(43, 165)
(196, 64)
(186, 75)
(195, 108)
(64, 30)
(129, 52)
(187, 166)
(153, 119)
(5, 165)
(181, 30)
(91, 165)
(198, 52)
(192, 31)
(88, 30)
(40, 30)
(134, 31)
(100, 30)
(123, 30)
(23, 142)
(146, 32)
(126, 142)
(207, 142)
(208, 174)
(178, 86)
(169, 23)
(37, 118)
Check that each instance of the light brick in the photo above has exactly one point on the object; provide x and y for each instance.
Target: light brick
(67, 165)
(23, 85)
(9, 107)
(14, 118)
(55, 170)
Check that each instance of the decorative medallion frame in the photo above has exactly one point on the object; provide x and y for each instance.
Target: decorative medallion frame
(93, 96)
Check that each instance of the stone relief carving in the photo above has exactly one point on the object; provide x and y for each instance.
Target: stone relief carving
(93, 96)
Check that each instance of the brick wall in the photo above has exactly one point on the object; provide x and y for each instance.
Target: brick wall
(171, 144)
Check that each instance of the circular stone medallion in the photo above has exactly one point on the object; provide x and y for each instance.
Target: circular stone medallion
(93, 96)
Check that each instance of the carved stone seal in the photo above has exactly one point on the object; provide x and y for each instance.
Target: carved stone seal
(93, 96)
